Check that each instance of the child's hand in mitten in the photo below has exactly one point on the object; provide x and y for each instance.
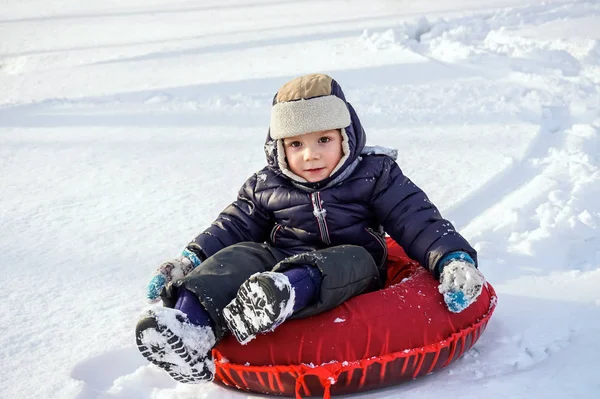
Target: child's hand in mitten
(460, 282)
(174, 269)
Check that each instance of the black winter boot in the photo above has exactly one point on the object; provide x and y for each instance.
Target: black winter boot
(167, 339)
(263, 302)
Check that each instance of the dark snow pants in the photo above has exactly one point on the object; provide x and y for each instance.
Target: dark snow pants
(346, 271)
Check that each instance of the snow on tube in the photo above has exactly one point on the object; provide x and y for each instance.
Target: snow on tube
(371, 341)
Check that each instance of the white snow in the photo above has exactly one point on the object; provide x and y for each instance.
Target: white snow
(379, 150)
(126, 126)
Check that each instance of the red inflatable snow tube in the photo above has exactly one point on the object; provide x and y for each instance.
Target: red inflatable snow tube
(371, 341)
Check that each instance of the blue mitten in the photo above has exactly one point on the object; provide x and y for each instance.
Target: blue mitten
(171, 270)
(460, 281)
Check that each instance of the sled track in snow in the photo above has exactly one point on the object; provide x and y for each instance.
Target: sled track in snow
(555, 121)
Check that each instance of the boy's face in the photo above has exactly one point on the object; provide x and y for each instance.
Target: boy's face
(313, 156)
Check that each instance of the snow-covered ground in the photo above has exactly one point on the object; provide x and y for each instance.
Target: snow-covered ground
(127, 125)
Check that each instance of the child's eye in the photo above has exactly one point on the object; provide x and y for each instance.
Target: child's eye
(324, 139)
(295, 144)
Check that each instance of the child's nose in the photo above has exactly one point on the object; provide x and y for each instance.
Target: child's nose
(310, 153)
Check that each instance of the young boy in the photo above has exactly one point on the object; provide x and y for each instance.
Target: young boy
(305, 234)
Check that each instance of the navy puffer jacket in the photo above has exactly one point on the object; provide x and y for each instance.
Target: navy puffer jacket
(366, 198)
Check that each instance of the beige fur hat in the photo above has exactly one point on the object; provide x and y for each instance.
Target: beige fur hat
(306, 104)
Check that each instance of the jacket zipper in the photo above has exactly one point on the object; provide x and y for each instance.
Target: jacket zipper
(320, 213)
(381, 242)
(274, 232)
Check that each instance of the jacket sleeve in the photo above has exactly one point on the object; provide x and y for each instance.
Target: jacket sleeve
(413, 221)
(243, 220)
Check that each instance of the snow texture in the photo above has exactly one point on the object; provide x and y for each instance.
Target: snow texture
(379, 150)
(126, 126)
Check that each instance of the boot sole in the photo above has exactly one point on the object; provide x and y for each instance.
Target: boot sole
(174, 344)
(248, 314)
